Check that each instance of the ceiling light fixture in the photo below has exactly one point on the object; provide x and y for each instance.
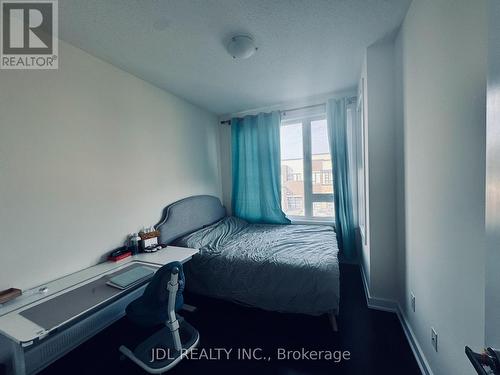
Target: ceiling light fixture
(241, 46)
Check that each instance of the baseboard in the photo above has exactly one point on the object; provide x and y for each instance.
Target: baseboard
(374, 302)
(394, 307)
(415, 347)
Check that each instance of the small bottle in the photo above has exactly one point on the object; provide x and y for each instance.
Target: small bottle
(134, 243)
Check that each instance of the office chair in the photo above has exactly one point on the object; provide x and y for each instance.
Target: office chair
(173, 338)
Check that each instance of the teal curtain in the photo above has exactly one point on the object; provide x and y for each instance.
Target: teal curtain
(255, 146)
(337, 136)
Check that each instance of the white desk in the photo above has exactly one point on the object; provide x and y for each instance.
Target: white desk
(33, 347)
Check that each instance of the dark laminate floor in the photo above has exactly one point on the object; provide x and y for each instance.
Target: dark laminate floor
(375, 340)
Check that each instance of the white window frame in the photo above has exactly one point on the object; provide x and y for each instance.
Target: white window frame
(309, 196)
(362, 165)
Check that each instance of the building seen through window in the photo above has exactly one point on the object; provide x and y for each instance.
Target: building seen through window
(306, 169)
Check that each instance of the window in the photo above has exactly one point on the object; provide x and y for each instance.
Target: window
(361, 159)
(316, 177)
(306, 168)
(327, 177)
(294, 203)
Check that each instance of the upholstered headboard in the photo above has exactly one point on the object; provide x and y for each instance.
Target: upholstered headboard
(189, 214)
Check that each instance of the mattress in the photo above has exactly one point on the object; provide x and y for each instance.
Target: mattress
(285, 268)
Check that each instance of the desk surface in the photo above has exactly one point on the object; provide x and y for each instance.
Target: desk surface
(21, 329)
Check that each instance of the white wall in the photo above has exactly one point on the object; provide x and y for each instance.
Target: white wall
(401, 275)
(493, 181)
(443, 66)
(89, 153)
(379, 256)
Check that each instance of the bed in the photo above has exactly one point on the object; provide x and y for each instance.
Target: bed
(284, 268)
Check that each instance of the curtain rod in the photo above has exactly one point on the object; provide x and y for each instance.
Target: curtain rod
(349, 99)
(305, 107)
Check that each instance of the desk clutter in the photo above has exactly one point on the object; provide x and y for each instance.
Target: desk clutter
(145, 241)
(9, 294)
(149, 239)
(119, 254)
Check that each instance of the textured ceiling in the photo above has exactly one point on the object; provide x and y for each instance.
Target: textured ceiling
(306, 48)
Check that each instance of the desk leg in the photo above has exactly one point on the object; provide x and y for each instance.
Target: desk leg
(18, 362)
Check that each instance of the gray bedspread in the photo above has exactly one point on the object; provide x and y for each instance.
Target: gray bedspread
(285, 268)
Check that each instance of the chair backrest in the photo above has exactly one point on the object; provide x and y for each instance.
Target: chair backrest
(156, 292)
(152, 307)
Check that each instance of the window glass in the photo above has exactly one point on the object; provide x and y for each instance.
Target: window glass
(306, 169)
(321, 160)
(323, 209)
(292, 169)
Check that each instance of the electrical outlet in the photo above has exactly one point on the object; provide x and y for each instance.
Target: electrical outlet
(434, 339)
(413, 301)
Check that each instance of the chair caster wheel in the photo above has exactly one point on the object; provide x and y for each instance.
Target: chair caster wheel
(122, 357)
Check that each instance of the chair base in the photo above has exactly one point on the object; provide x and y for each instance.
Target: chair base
(157, 354)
